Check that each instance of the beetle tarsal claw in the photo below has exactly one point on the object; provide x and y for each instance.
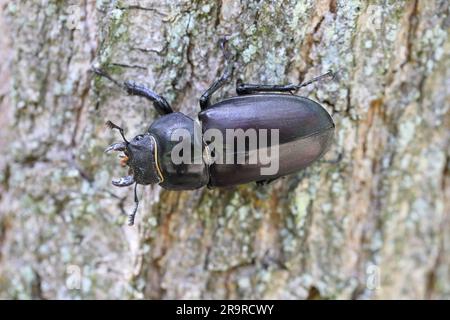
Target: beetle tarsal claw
(118, 146)
(124, 181)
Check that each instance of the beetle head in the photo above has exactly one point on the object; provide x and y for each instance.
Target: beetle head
(139, 155)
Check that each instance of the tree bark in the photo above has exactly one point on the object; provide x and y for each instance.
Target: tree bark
(374, 225)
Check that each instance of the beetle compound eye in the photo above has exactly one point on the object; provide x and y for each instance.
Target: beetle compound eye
(139, 137)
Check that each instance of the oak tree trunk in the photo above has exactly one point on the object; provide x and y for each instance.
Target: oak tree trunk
(374, 225)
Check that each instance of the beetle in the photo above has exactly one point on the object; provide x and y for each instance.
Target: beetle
(305, 132)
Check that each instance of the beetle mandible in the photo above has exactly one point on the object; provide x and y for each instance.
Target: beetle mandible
(305, 131)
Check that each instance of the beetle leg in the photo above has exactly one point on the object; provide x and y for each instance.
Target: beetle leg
(249, 88)
(104, 74)
(266, 182)
(161, 104)
(219, 83)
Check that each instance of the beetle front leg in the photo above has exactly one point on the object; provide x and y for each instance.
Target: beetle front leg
(219, 83)
(161, 104)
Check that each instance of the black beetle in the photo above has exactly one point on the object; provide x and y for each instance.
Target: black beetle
(305, 131)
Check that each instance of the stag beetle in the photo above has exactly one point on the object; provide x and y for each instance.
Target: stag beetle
(305, 131)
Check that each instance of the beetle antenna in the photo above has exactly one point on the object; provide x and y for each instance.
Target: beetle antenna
(112, 125)
(304, 84)
(136, 205)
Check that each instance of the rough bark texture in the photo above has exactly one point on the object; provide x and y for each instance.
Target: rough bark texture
(374, 225)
